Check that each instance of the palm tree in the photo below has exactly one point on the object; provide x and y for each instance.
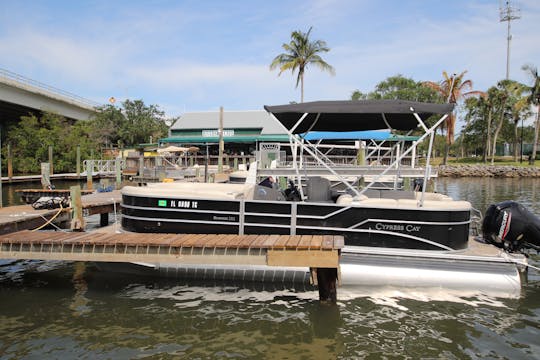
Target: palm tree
(534, 99)
(300, 52)
(452, 88)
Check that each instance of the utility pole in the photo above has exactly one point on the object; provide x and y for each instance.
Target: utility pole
(508, 13)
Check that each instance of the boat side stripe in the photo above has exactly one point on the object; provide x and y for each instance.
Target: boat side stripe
(333, 229)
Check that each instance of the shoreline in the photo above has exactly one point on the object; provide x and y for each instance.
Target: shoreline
(499, 171)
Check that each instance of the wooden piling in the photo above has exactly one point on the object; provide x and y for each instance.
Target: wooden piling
(221, 144)
(118, 172)
(89, 170)
(103, 219)
(51, 159)
(77, 219)
(9, 162)
(45, 176)
(327, 283)
(78, 161)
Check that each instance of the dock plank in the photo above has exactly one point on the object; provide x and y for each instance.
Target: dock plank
(246, 241)
(293, 241)
(305, 242)
(281, 243)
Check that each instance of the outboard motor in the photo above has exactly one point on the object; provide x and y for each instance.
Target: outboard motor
(418, 184)
(511, 226)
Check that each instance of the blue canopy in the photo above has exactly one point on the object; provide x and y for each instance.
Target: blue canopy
(348, 135)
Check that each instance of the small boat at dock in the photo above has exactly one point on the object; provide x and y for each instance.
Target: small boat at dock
(403, 237)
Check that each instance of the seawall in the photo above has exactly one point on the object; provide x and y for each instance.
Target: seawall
(488, 171)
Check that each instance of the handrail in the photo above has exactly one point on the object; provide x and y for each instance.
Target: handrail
(104, 166)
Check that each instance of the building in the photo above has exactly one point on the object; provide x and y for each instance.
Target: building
(242, 131)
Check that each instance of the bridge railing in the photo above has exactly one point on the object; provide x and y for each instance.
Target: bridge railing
(9, 75)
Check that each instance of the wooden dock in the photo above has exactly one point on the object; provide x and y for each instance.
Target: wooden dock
(318, 252)
(60, 176)
(25, 217)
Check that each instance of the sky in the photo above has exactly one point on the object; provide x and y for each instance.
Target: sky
(199, 55)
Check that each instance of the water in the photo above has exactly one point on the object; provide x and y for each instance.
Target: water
(11, 197)
(59, 310)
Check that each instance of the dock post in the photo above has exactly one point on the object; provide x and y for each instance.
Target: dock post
(221, 143)
(45, 176)
(77, 219)
(327, 280)
(89, 169)
(118, 171)
(9, 162)
(235, 163)
(51, 159)
(407, 183)
(361, 155)
(141, 166)
(78, 161)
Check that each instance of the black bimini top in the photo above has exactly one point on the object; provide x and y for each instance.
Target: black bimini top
(355, 115)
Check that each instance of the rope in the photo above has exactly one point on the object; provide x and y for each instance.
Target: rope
(507, 257)
(51, 219)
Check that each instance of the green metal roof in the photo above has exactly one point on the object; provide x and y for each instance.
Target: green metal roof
(227, 139)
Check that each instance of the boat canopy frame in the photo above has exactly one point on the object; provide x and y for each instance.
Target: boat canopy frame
(354, 115)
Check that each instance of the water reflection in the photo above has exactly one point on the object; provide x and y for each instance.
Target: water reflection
(73, 310)
(482, 192)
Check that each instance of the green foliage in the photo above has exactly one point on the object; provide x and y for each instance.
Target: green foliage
(31, 138)
(299, 53)
(131, 124)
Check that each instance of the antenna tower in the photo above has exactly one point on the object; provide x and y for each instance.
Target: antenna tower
(508, 13)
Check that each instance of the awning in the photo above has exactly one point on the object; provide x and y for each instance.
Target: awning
(176, 149)
(378, 135)
(355, 115)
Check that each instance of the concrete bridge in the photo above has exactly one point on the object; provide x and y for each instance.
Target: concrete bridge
(20, 95)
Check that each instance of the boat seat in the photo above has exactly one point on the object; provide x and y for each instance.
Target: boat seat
(267, 193)
(397, 194)
(434, 204)
(318, 189)
(370, 202)
(433, 196)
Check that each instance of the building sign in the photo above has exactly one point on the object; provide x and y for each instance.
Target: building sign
(215, 133)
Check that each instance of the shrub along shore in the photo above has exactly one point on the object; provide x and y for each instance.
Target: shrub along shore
(503, 171)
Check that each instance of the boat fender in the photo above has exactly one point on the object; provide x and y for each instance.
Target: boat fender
(509, 225)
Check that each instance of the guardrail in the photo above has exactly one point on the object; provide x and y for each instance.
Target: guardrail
(9, 75)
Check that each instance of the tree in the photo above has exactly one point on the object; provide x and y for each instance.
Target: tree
(131, 124)
(520, 109)
(33, 135)
(299, 53)
(452, 89)
(534, 100)
(399, 87)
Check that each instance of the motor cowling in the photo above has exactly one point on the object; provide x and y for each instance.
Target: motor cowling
(509, 225)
